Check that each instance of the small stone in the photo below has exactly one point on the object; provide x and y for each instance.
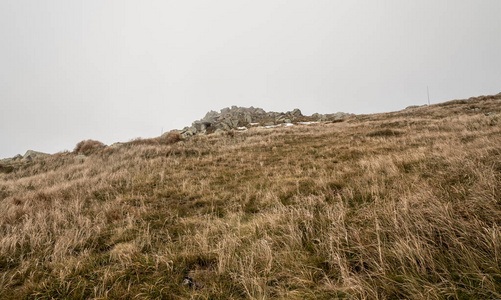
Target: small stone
(189, 282)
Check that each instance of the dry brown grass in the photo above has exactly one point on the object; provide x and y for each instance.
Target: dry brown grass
(172, 137)
(167, 138)
(397, 205)
(88, 147)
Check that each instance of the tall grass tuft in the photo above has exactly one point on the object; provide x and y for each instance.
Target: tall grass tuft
(88, 147)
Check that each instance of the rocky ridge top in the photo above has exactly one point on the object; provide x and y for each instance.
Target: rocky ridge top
(242, 118)
(29, 155)
(7, 164)
(230, 118)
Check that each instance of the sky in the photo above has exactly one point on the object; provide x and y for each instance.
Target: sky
(116, 70)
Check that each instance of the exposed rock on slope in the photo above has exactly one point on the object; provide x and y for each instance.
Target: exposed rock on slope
(240, 117)
(29, 155)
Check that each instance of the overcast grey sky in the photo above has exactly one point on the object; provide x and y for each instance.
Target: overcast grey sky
(116, 70)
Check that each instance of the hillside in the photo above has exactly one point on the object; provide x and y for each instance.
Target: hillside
(394, 205)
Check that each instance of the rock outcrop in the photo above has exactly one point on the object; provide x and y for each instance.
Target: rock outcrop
(29, 155)
(241, 118)
(414, 106)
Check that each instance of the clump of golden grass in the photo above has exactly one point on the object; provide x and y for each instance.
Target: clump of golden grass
(167, 138)
(396, 205)
(88, 147)
(172, 137)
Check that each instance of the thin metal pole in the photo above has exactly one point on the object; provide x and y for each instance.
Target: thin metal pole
(428, 91)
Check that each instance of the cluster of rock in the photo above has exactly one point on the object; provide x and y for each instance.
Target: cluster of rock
(238, 118)
(28, 156)
(330, 117)
(415, 106)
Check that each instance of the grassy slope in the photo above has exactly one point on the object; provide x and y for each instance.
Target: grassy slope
(396, 205)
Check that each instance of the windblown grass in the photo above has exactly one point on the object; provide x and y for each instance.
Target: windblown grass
(396, 205)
